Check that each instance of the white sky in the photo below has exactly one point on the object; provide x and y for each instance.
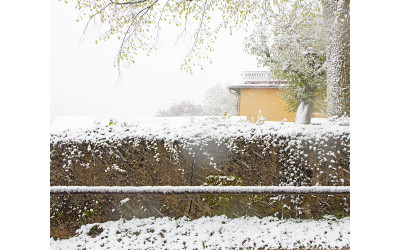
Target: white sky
(83, 77)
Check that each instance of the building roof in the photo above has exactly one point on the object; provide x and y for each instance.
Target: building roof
(257, 80)
(255, 86)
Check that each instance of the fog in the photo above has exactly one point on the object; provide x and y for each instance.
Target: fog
(83, 79)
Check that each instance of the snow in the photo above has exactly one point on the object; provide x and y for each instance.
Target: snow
(190, 128)
(61, 123)
(202, 189)
(192, 134)
(217, 232)
(122, 202)
(318, 120)
(115, 167)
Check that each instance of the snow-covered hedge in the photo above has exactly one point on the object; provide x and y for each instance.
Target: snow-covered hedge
(187, 151)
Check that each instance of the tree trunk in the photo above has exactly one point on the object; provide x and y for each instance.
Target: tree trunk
(304, 113)
(337, 31)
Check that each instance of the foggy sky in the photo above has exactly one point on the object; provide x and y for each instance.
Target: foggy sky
(83, 77)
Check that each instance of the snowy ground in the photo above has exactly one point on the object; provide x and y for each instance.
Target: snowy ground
(212, 233)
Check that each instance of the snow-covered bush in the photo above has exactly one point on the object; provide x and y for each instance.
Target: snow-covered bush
(218, 100)
(182, 108)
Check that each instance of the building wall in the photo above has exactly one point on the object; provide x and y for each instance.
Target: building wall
(266, 100)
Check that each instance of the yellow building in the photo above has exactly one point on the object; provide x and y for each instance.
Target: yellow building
(259, 92)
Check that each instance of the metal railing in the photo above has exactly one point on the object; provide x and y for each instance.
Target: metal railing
(255, 76)
(209, 190)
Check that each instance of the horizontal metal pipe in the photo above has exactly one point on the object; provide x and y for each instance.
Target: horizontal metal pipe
(209, 190)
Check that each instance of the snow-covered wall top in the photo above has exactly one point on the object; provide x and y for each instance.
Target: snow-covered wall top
(193, 129)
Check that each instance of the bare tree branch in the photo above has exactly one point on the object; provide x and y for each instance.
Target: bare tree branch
(159, 20)
(93, 16)
(184, 27)
(199, 29)
(129, 3)
(146, 9)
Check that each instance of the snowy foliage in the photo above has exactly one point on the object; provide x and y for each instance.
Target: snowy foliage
(219, 101)
(193, 130)
(182, 108)
(291, 44)
(193, 134)
(211, 232)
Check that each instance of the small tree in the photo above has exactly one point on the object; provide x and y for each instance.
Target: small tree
(219, 101)
(292, 45)
(182, 108)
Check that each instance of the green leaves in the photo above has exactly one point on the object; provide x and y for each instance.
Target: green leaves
(136, 23)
